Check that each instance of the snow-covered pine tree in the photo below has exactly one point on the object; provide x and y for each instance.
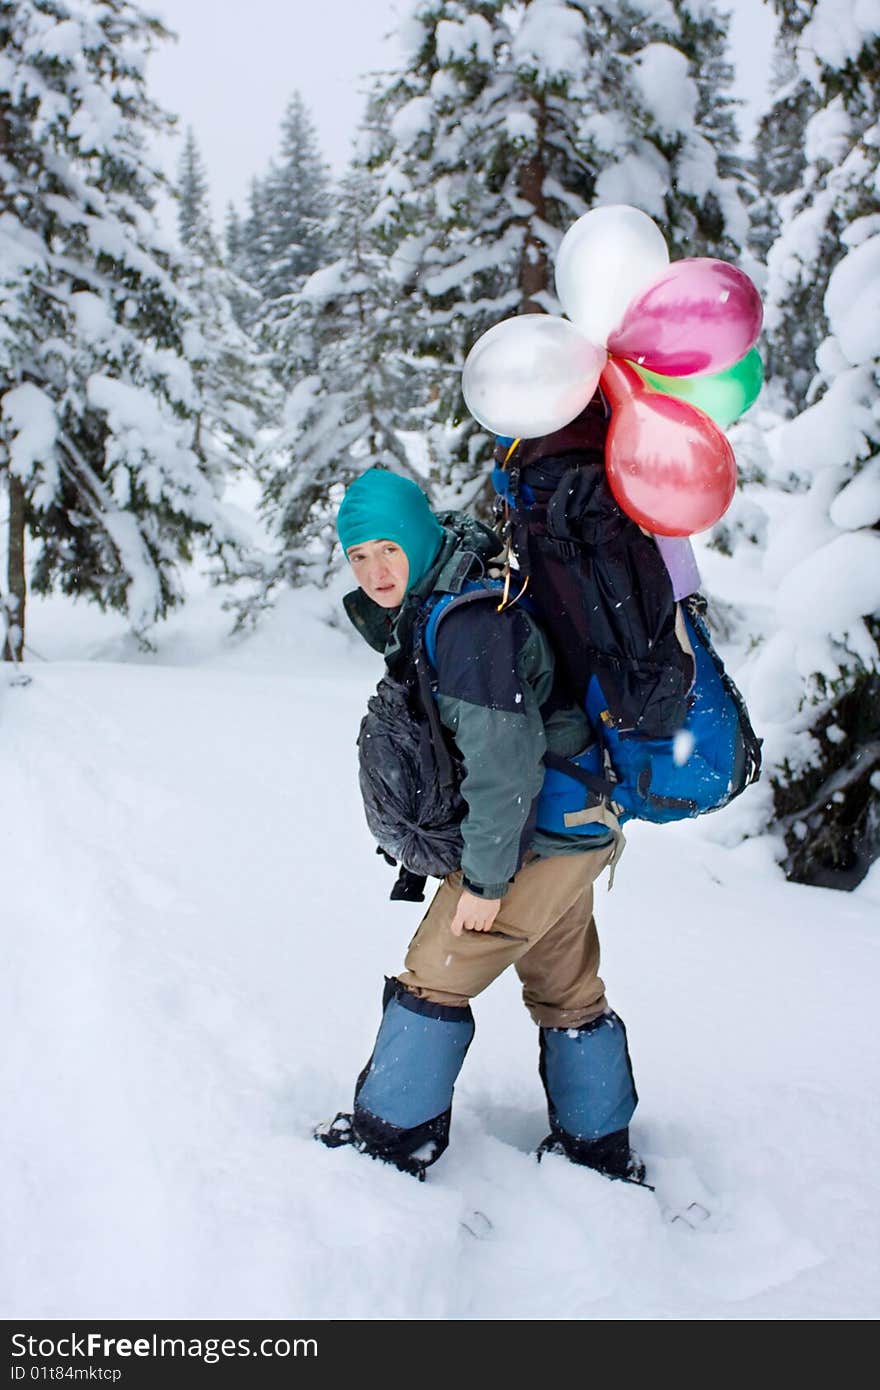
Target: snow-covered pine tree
(97, 401)
(232, 232)
(509, 119)
(814, 680)
(282, 238)
(193, 217)
(779, 157)
(455, 244)
(660, 129)
(792, 336)
(245, 249)
(295, 202)
(342, 413)
(294, 207)
(236, 392)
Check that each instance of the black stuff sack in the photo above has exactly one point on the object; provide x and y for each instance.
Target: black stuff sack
(412, 801)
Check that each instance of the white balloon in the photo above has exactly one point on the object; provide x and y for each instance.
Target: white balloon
(608, 257)
(530, 375)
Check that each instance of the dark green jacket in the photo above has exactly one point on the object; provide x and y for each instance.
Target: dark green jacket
(494, 673)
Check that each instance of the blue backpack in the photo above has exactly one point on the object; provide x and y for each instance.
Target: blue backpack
(672, 736)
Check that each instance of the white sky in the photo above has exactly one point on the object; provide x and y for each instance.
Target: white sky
(235, 66)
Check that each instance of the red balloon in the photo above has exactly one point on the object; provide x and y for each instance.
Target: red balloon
(669, 466)
(700, 316)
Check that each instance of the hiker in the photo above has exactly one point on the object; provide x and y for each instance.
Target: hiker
(521, 895)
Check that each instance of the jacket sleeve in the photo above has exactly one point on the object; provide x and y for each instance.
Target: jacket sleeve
(494, 670)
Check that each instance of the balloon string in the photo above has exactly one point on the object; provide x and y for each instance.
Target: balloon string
(506, 600)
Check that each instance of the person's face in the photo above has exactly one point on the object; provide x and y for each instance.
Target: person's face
(381, 568)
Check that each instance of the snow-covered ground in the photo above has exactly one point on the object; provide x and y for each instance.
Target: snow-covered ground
(196, 930)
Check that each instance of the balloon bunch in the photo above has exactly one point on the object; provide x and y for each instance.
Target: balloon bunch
(672, 345)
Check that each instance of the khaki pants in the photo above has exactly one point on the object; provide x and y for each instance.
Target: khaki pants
(545, 929)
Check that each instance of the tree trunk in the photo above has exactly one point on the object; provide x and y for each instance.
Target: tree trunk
(533, 272)
(12, 629)
(16, 595)
(5, 142)
(830, 813)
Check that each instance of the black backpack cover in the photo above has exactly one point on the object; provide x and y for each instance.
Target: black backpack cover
(410, 774)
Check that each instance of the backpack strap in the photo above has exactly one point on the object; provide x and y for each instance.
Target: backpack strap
(445, 769)
(425, 660)
(599, 786)
(601, 808)
(473, 592)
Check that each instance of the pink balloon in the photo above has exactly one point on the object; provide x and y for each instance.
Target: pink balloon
(669, 466)
(699, 316)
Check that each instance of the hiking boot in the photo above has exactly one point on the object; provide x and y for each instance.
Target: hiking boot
(610, 1155)
(337, 1133)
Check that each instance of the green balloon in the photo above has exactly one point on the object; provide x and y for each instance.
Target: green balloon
(724, 397)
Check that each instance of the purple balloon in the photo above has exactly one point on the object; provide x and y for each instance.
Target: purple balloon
(699, 316)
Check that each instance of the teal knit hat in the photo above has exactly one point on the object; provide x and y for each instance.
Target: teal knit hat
(383, 506)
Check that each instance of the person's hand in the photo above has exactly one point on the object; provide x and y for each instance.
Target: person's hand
(474, 914)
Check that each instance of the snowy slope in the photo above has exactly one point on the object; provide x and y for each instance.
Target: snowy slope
(196, 929)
